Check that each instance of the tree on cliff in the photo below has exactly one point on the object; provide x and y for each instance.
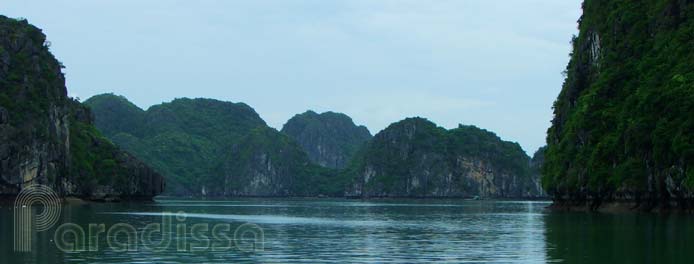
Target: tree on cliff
(624, 121)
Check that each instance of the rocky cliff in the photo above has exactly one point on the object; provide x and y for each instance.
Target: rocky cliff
(211, 148)
(186, 139)
(48, 138)
(623, 123)
(536, 163)
(330, 139)
(269, 163)
(416, 158)
(220, 149)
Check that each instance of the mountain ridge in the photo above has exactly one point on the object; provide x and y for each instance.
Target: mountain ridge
(184, 138)
(261, 161)
(330, 139)
(416, 158)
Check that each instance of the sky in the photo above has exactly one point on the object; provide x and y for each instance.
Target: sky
(495, 64)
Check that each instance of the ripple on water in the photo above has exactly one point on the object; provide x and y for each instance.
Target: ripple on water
(343, 231)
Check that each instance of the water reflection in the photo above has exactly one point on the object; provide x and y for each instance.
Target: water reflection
(620, 238)
(397, 231)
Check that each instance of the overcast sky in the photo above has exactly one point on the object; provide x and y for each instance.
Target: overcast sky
(492, 63)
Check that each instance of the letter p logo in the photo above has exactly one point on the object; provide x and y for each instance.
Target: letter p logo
(26, 222)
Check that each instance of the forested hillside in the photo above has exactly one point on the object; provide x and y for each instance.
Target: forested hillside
(330, 139)
(416, 158)
(47, 137)
(623, 127)
(185, 139)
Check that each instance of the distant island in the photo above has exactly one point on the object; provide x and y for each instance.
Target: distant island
(622, 136)
(210, 148)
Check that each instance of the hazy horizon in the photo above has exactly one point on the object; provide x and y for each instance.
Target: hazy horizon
(484, 63)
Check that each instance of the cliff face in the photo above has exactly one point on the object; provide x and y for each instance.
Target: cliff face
(47, 138)
(186, 139)
(415, 158)
(219, 149)
(269, 163)
(536, 164)
(623, 122)
(211, 148)
(330, 139)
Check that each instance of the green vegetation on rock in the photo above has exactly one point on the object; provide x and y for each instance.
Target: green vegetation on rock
(330, 139)
(186, 140)
(218, 149)
(116, 115)
(624, 120)
(212, 148)
(48, 138)
(266, 159)
(416, 158)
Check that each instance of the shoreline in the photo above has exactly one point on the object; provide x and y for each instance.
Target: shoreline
(617, 207)
(8, 200)
(223, 198)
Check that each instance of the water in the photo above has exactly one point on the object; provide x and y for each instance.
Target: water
(350, 231)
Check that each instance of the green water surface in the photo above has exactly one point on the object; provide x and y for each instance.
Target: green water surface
(352, 231)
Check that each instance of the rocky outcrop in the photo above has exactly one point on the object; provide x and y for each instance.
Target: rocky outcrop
(186, 139)
(330, 139)
(416, 158)
(622, 127)
(115, 114)
(268, 163)
(47, 138)
(536, 170)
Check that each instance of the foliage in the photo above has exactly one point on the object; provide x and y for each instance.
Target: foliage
(416, 146)
(30, 80)
(44, 120)
(476, 142)
(268, 152)
(93, 159)
(330, 139)
(118, 114)
(624, 120)
(186, 140)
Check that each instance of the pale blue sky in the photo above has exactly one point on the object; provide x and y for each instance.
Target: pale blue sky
(492, 63)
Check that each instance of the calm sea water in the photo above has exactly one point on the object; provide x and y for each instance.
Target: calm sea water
(350, 231)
